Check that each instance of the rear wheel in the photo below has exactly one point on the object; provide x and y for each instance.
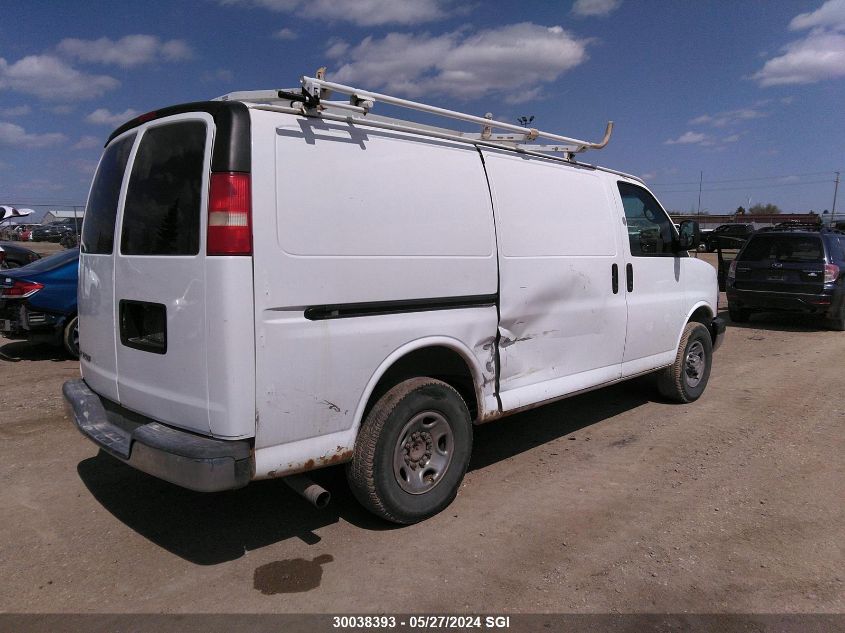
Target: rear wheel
(412, 451)
(836, 324)
(738, 315)
(70, 337)
(686, 378)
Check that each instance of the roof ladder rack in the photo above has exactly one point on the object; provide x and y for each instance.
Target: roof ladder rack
(315, 89)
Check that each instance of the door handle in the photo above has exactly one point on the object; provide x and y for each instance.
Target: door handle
(614, 276)
(629, 275)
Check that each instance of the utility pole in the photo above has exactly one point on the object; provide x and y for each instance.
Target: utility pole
(835, 190)
(700, 180)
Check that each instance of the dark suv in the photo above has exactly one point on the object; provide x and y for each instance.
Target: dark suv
(55, 231)
(790, 270)
(727, 236)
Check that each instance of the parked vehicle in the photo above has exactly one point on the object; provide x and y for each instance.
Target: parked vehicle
(727, 236)
(17, 255)
(790, 270)
(245, 320)
(69, 240)
(38, 301)
(55, 231)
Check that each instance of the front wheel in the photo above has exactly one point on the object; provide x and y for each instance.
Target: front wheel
(738, 315)
(70, 337)
(412, 451)
(685, 379)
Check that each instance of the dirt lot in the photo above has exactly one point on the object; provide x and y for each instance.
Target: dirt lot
(610, 501)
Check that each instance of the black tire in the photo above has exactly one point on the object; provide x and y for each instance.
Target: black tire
(836, 324)
(685, 379)
(373, 473)
(738, 315)
(70, 337)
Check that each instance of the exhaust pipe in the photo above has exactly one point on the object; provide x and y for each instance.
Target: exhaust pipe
(315, 494)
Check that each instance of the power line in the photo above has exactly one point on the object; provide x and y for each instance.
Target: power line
(673, 184)
(746, 188)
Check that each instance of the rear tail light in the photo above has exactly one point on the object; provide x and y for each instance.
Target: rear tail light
(229, 214)
(20, 289)
(831, 273)
(732, 270)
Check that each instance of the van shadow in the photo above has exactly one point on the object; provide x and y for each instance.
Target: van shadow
(16, 351)
(212, 528)
(522, 432)
(778, 322)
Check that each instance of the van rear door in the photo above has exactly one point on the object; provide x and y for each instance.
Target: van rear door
(96, 270)
(159, 274)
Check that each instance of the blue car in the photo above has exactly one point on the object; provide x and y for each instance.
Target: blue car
(38, 301)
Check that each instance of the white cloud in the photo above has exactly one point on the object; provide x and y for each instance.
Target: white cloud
(15, 111)
(830, 14)
(221, 74)
(516, 59)
(85, 166)
(285, 34)
(731, 117)
(595, 8)
(360, 12)
(132, 50)
(52, 79)
(101, 116)
(687, 138)
(12, 135)
(88, 142)
(818, 56)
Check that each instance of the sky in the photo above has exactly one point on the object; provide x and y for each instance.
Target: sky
(745, 96)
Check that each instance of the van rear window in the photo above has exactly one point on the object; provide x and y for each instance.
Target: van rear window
(162, 210)
(783, 248)
(98, 228)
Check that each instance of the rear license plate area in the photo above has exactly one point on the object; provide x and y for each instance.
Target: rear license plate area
(143, 326)
(775, 277)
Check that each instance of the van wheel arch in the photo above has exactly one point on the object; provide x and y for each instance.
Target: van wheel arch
(436, 361)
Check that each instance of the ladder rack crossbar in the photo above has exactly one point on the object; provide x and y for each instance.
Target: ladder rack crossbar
(315, 87)
(457, 137)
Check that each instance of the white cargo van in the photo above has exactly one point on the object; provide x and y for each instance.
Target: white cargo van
(272, 283)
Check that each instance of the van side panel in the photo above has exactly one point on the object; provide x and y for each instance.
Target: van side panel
(346, 216)
(562, 325)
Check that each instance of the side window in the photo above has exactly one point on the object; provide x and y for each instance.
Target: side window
(162, 211)
(98, 228)
(650, 230)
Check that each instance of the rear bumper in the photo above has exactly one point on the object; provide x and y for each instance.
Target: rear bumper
(826, 303)
(717, 332)
(18, 321)
(192, 461)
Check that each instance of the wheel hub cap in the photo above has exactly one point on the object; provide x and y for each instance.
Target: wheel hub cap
(695, 364)
(423, 452)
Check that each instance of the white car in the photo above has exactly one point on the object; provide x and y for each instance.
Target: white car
(273, 285)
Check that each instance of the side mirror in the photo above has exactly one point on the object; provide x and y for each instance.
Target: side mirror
(689, 236)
